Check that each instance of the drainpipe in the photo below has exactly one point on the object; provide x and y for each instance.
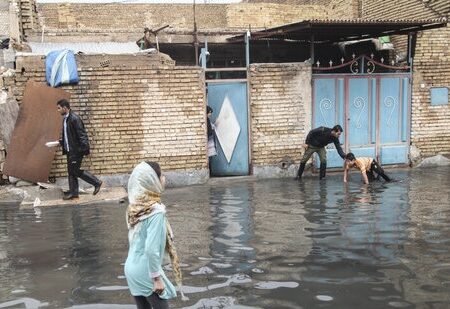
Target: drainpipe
(412, 37)
(204, 53)
(247, 49)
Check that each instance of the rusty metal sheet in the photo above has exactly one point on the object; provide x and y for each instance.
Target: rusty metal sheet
(38, 122)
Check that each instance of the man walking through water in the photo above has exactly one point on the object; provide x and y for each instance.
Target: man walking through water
(75, 145)
(316, 141)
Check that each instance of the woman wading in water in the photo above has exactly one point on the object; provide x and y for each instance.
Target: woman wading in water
(149, 237)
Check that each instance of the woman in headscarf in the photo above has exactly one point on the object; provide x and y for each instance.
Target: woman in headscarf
(149, 237)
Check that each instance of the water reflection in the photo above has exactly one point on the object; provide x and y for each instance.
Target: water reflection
(232, 227)
(248, 244)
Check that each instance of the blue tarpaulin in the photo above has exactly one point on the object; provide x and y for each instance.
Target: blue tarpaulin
(61, 68)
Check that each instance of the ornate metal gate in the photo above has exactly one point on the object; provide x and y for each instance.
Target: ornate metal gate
(373, 108)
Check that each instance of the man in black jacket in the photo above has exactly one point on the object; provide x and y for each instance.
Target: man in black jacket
(75, 145)
(316, 141)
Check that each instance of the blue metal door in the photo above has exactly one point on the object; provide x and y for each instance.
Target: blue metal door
(230, 114)
(360, 121)
(393, 119)
(328, 111)
(373, 111)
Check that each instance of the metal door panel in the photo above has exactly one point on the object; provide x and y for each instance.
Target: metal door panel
(329, 110)
(393, 109)
(358, 112)
(373, 126)
(405, 109)
(236, 94)
(364, 152)
(325, 95)
(389, 109)
(394, 154)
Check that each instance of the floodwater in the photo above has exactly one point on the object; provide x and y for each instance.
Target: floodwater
(248, 244)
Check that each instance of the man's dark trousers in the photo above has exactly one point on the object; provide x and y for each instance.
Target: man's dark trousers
(74, 171)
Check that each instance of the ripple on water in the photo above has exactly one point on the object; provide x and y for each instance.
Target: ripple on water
(109, 288)
(215, 302)
(324, 297)
(202, 271)
(399, 304)
(102, 306)
(219, 302)
(257, 270)
(222, 265)
(272, 285)
(24, 302)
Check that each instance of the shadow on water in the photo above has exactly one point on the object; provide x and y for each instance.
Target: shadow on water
(248, 244)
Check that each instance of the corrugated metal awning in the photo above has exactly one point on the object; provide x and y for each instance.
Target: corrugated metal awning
(341, 30)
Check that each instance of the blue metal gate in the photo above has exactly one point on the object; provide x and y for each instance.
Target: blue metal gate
(373, 109)
(229, 103)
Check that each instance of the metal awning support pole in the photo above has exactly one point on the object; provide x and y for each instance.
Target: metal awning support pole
(195, 37)
(409, 49)
(412, 39)
(311, 52)
(247, 48)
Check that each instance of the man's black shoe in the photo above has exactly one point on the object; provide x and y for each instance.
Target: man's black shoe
(97, 188)
(70, 197)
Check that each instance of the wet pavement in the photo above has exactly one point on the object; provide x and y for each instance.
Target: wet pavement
(248, 244)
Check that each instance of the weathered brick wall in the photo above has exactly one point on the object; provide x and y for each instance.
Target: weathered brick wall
(429, 128)
(84, 17)
(271, 15)
(134, 113)
(280, 105)
(29, 16)
(129, 16)
(289, 1)
(343, 9)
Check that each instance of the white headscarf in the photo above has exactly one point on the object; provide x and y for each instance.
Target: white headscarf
(143, 179)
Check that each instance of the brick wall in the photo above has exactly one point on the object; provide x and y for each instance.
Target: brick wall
(280, 96)
(343, 9)
(83, 18)
(29, 16)
(142, 111)
(296, 2)
(429, 130)
(129, 16)
(134, 112)
(271, 15)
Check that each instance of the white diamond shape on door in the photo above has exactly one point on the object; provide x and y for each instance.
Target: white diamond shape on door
(227, 128)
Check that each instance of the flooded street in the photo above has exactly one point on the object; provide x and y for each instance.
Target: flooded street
(248, 244)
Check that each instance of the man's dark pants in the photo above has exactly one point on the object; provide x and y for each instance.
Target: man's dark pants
(74, 172)
(322, 152)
